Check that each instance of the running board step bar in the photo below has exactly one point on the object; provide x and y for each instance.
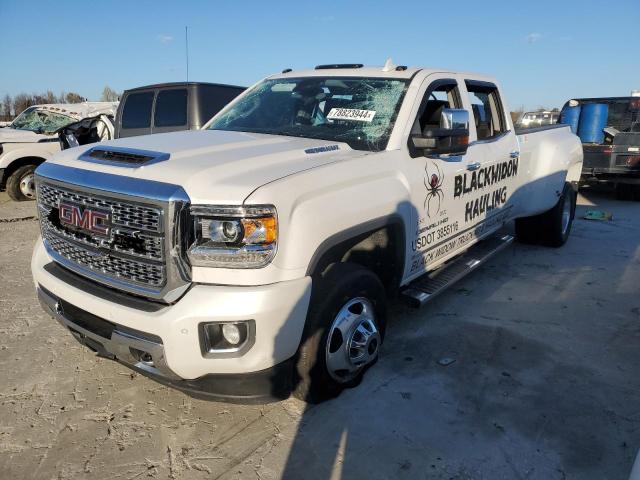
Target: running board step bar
(427, 287)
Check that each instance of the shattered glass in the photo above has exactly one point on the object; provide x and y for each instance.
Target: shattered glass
(359, 111)
(40, 121)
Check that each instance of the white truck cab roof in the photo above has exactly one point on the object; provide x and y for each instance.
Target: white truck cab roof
(80, 110)
(389, 70)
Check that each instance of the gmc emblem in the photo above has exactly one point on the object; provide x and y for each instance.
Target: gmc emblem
(93, 221)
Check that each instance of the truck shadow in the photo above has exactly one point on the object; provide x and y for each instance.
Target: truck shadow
(525, 369)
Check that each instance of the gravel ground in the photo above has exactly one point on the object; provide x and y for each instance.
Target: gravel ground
(544, 382)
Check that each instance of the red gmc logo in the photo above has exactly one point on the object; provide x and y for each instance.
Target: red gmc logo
(90, 220)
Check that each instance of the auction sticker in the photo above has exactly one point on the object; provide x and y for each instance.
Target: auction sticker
(351, 114)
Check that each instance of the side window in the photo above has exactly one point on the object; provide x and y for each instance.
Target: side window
(440, 95)
(171, 108)
(487, 109)
(137, 110)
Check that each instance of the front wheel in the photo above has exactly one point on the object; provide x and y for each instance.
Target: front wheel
(343, 333)
(21, 184)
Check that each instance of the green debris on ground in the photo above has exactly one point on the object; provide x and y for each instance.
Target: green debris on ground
(598, 215)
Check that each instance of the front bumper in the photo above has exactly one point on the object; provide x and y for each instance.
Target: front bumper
(120, 330)
(117, 343)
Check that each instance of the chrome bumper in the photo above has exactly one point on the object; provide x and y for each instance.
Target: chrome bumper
(119, 346)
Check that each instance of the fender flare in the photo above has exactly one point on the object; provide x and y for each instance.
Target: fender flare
(345, 239)
(10, 157)
(14, 164)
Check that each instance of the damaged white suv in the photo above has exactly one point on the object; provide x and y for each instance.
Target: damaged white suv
(254, 257)
(32, 138)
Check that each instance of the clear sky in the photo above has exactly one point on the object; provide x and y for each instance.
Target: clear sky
(542, 51)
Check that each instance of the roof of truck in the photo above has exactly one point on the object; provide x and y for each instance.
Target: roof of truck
(389, 70)
(182, 84)
(364, 71)
(80, 110)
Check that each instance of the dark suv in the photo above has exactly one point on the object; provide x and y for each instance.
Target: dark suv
(158, 108)
(169, 107)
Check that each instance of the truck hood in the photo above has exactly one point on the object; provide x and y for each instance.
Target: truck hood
(214, 166)
(13, 135)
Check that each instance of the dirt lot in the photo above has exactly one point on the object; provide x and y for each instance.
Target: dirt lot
(544, 385)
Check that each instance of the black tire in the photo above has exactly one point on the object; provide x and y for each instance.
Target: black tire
(340, 284)
(550, 228)
(15, 179)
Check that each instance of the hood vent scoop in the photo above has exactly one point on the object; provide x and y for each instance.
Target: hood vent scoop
(123, 157)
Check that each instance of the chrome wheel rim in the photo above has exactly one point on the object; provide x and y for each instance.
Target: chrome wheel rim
(28, 185)
(566, 215)
(353, 341)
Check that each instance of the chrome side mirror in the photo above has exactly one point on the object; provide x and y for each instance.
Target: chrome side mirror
(454, 119)
(452, 138)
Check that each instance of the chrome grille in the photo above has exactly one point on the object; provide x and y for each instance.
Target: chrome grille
(137, 272)
(137, 244)
(152, 246)
(133, 252)
(124, 214)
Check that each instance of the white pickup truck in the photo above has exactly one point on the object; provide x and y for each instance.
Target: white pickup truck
(252, 258)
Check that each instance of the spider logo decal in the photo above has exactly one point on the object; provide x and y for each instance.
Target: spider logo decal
(433, 183)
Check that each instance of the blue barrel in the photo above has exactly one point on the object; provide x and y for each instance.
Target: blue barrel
(571, 116)
(593, 118)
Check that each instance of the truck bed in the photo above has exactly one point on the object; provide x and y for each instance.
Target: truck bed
(527, 130)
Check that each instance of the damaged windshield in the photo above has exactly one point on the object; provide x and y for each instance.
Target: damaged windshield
(356, 110)
(40, 121)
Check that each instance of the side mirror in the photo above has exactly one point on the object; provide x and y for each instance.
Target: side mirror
(452, 138)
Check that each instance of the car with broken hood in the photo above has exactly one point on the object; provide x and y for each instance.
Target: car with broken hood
(32, 138)
(253, 258)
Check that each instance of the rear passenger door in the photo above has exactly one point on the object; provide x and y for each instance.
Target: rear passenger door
(485, 186)
(171, 112)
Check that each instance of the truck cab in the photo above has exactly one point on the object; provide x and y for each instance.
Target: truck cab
(169, 107)
(159, 108)
(253, 258)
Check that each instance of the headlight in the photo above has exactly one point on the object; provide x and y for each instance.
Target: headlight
(233, 237)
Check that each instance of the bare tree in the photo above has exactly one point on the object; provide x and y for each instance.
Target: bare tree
(50, 97)
(45, 98)
(73, 97)
(39, 99)
(22, 101)
(109, 95)
(7, 105)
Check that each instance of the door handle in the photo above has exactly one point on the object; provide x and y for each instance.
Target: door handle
(514, 154)
(473, 166)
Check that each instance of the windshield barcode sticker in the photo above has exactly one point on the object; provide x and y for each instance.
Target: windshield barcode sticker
(351, 114)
